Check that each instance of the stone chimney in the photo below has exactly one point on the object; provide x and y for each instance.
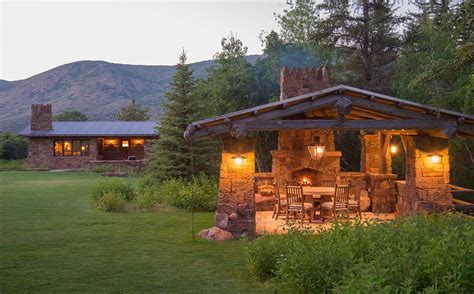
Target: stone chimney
(41, 117)
(299, 81)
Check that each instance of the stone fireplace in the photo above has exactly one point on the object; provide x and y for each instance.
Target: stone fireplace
(292, 160)
(305, 176)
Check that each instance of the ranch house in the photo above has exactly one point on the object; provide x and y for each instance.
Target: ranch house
(85, 144)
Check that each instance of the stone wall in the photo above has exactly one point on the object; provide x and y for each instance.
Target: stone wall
(41, 154)
(41, 117)
(427, 183)
(292, 156)
(299, 81)
(236, 203)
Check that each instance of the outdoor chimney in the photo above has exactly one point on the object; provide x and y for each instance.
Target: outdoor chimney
(41, 117)
(299, 81)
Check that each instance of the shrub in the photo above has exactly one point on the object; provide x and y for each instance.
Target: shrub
(13, 147)
(112, 202)
(148, 199)
(12, 165)
(178, 192)
(101, 168)
(118, 187)
(423, 253)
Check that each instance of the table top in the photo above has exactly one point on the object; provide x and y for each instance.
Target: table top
(315, 190)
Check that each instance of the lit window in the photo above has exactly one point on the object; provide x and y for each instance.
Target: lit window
(124, 143)
(76, 148)
(67, 148)
(58, 148)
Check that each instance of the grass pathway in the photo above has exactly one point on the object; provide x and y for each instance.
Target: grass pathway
(52, 239)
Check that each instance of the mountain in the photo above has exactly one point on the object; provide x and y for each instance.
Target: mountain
(97, 88)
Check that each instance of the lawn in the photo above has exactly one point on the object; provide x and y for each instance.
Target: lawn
(53, 239)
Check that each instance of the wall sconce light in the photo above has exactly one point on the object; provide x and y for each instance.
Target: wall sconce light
(435, 158)
(316, 152)
(238, 159)
(83, 148)
(393, 149)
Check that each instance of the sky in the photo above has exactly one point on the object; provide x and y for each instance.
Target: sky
(36, 36)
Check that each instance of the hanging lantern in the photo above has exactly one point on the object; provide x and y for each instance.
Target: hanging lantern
(316, 151)
(393, 149)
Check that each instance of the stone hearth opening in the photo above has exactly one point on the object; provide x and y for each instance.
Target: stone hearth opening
(306, 176)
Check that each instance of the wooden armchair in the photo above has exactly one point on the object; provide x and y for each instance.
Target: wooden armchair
(354, 204)
(339, 204)
(279, 207)
(295, 203)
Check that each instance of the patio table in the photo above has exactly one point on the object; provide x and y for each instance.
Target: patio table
(317, 194)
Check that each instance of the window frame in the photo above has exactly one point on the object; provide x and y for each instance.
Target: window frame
(79, 153)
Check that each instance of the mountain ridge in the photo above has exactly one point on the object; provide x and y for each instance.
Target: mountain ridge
(95, 87)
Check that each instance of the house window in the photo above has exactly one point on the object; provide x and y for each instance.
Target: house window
(71, 148)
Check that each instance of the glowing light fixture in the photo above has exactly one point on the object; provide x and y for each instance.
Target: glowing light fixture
(393, 149)
(83, 148)
(124, 143)
(316, 151)
(238, 159)
(435, 158)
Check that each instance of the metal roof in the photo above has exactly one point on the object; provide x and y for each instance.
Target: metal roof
(96, 129)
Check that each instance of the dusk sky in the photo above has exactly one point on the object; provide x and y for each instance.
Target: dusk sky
(37, 36)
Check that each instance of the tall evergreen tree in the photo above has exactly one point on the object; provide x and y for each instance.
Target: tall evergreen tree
(171, 157)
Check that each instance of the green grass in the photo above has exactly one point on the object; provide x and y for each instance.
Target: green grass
(53, 239)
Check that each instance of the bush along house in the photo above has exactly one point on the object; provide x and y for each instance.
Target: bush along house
(85, 144)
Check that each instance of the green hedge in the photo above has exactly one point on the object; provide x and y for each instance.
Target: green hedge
(110, 194)
(424, 253)
(178, 193)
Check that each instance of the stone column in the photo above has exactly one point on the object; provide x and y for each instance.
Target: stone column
(236, 203)
(427, 182)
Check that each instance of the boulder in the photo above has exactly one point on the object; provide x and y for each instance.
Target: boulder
(215, 233)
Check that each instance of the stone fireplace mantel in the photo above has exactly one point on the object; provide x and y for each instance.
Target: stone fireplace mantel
(286, 153)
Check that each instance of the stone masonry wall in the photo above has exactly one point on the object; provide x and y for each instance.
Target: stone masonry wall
(41, 154)
(427, 183)
(236, 203)
(41, 117)
(292, 155)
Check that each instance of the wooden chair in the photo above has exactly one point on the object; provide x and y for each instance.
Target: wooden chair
(279, 206)
(329, 183)
(340, 202)
(295, 203)
(354, 204)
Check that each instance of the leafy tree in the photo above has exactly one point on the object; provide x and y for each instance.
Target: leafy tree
(230, 84)
(13, 146)
(70, 115)
(133, 112)
(436, 67)
(171, 157)
(362, 36)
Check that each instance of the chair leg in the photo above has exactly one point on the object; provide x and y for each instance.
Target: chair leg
(275, 209)
(334, 214)
(287, 213)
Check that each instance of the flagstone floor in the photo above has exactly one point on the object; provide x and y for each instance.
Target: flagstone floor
(267, 225)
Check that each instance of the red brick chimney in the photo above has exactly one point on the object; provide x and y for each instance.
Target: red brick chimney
(299, 81)
(41, 117)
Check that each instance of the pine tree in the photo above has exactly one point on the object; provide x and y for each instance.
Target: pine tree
(171, 157)
(133, 112)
